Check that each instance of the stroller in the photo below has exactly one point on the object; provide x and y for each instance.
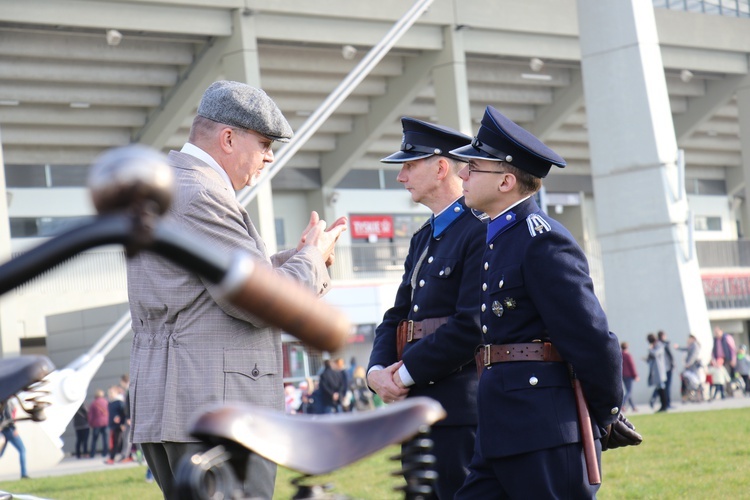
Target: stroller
(692, 384)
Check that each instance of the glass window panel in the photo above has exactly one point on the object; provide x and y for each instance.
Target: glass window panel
(25, 176)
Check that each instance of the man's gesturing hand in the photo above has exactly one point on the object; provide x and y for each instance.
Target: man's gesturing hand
(316, 234)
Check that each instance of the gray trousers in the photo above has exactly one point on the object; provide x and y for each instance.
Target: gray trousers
(164, 458)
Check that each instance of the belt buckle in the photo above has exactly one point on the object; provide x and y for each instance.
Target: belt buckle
(410, 331)
(486, 355)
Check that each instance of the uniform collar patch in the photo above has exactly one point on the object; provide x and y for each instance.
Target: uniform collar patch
(447, 217)
(500, 224)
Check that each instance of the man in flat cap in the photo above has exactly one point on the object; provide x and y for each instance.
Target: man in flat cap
(425, 344)
(542, 325)
(190, 347)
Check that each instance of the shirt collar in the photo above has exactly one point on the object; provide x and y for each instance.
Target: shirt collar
(193, 150)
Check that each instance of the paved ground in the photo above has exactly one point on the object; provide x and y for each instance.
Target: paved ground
(71, 465)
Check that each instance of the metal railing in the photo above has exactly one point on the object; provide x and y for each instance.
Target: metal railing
(724, 254)
(731, 8)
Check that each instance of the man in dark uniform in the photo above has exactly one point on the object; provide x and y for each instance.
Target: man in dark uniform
(434, 319)
(538, 309)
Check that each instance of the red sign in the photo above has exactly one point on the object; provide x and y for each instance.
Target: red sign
(364, 226)
(726, 285)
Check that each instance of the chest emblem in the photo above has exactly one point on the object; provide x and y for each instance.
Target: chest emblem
(510, 303)
(497, 308)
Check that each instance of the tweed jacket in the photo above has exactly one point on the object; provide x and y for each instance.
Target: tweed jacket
(190, 348)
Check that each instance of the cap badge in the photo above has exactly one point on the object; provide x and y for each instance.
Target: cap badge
(497, 308)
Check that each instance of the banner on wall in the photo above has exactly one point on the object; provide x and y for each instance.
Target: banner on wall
(369, 226)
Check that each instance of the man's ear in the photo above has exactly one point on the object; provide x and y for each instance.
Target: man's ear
(227, 137)
(507, 183)
(444, 168)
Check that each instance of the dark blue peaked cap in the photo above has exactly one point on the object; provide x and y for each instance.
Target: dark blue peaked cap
(422, 139)
(500, 139)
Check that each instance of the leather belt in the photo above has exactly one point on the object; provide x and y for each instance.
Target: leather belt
(415, 330)
(489, 354)
(409, 331)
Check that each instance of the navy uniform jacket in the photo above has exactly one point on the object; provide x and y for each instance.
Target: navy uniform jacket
(536, 286)
(441, 364)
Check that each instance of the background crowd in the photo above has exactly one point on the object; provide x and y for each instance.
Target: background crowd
(725, 375)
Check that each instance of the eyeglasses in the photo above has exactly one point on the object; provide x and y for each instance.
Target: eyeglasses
(473, 169)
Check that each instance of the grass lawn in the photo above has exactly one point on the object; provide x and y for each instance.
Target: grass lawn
(692, 455)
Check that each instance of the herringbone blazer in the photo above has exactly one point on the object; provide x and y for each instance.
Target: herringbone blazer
(191, 349)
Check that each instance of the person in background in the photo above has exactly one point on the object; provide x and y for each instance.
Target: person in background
(81, 426)
(98, 421)
(332, 388)
(629, 375)
(719, 378)
(668, 365)
(657, 370)
(127, 442)
(693, 374)
(724, 348)
(11, 435)
(743, 367)
(116, 411)
(425, 344)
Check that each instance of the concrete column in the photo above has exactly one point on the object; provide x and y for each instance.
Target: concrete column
(743, 105)
(652, 278)
(9, 325)
(240, 63)
(451, 85)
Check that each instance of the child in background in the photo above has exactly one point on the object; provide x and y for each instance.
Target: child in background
(719, 378)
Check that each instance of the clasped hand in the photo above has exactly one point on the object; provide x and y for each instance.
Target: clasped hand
(316, 235)
(387, 383)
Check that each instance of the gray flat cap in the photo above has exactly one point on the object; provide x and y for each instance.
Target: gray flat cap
(240, 105)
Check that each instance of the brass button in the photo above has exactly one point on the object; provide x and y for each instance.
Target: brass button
(416, 308)
(484, 328)
(533, 381)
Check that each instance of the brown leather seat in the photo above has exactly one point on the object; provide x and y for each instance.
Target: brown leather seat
(17, 374)
(316, 444)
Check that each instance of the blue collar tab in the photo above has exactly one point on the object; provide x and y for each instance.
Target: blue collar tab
(500, 224)
(446, 218)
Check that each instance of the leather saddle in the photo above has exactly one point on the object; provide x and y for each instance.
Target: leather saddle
(316, 444)
(17, 374)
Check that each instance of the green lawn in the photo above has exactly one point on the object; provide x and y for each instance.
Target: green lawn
(692, 455)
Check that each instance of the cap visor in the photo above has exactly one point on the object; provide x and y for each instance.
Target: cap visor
(468, 152)
(277, 138)
(402, 156)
